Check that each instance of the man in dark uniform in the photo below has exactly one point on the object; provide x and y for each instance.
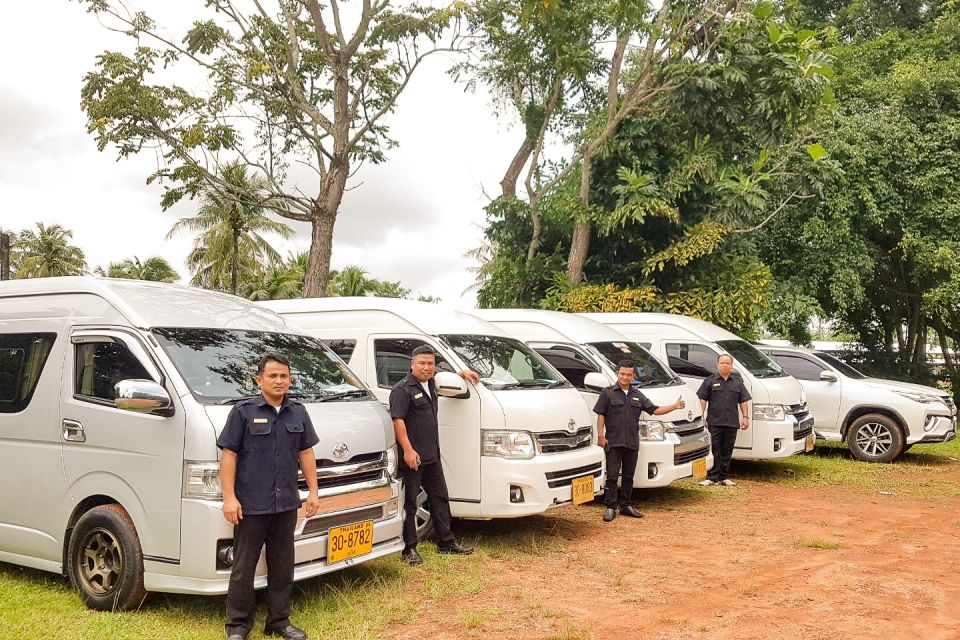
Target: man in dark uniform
(264, 442)
(413, 407)
(618, 412)
(720, 396)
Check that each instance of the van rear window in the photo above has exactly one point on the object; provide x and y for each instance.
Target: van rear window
(22, 356)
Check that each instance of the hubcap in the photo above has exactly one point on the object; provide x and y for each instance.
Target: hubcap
(100, 562)
(874, 439)
(423, 512)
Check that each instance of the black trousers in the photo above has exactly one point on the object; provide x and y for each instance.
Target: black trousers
(622, 463)
(276, 531)
(722, 440)
(430, 477)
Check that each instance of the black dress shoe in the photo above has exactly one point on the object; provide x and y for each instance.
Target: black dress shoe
(410, 556)
(455, 549)
(609, 514)
(629, 510)
(289, 632)
(237, 636)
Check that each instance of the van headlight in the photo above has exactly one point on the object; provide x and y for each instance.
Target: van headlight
(769, 412)
(201, 479)
(392, 461)
(513, 445)
(652, 430)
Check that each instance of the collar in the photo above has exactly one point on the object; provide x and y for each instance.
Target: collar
(411, 380)
(262, 402)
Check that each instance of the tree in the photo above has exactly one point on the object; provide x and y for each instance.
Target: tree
(353, 280)
(47, 252)
(154, 268)
(230, 222)
(275, 282)
(293, 87)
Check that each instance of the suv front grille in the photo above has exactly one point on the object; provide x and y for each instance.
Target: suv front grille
(563, 441)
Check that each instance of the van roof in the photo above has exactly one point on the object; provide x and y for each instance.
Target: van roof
(407, 315)
(156, 304)
(664, 325)
(541, 324)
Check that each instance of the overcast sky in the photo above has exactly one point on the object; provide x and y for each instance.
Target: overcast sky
(410, 219)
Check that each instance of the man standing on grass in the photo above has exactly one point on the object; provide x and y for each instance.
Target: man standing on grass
(720, 396)
(618, 412)
(265, 441)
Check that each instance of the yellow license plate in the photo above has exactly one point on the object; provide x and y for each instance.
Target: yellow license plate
(699, 468)
(582, 489)
(349, 541)
(808, 445)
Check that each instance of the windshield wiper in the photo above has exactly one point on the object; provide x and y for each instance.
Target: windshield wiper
(235, 400)
(529, 384)
(353, 393)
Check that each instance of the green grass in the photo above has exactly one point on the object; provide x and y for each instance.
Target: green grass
(816, 544)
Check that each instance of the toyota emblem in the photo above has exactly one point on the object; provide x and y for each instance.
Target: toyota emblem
(341, 450)
(572, 425)
(689, 416)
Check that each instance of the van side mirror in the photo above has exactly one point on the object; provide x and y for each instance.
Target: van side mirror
(828, 376)
(143, 396)
(450, 385)
(595, 381)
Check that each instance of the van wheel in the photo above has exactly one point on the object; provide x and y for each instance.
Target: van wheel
(875, 438)
(423, 518)
(104, 559)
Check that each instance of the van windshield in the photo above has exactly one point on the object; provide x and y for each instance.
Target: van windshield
(219, 365)
(752, 359)
(650, 373)
(505, 363)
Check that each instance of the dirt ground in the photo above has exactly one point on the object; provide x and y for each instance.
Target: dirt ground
(763, 560)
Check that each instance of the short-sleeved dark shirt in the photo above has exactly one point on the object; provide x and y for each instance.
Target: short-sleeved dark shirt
(621, 415)
(723, 399)
(410, 402)
(268, 445)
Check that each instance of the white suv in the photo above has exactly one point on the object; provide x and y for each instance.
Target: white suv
(879, 419)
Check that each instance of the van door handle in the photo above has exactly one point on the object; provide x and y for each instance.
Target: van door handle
(73, 431)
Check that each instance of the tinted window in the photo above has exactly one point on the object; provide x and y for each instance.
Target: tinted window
(841, 366)
(220, 364)
(799, 367)
(694, 360)
(393, 359)
(22, 356)
(343, 348)
(505, 363)
(98, 366)
(572, 364)
(750, 358)
(649, 371)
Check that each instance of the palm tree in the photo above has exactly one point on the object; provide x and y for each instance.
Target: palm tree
(155, 269)
(230, 221)
(350, 281)
(276, 282)
(47, 252)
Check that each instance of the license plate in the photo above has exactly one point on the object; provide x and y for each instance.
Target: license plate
(582, 489)
(349, 541)
(808, 445)
(699, 468)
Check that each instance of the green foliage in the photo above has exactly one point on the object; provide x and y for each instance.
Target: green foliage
(154, 269)
(46, 252)
(702, 239)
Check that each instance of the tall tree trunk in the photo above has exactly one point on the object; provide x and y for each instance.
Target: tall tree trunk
(508, 186)
(948, 362)
(536, 224)
(580, 243)
(235, 264)
(321, 248)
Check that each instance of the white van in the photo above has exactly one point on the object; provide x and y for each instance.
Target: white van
(517, 444)
(878, 419)
(112, 395)
(781, 424)
(586, 352)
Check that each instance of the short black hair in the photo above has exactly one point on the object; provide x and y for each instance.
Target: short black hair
(626, 364)
(424, 350)
(725, 355)
(272, 357)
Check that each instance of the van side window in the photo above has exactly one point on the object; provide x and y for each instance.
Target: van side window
(694, 360)
(98, 366)
(343, 348)
(571, 365)
(393, 359)
(800, 368)
(22, 356)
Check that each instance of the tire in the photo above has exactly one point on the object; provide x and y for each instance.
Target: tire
(875, 438)
(424, 519)
(106, 535)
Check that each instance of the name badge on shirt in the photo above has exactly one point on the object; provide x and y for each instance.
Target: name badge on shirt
(635, 401)
(418, 396)
(716, 385)
(260, 421)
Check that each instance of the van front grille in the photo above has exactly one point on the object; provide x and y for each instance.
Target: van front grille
(563, 441)
(564, 478)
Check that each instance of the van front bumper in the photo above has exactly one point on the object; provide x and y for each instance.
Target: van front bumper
(661, 463)
(203, 526)
(544, 482)
(775, 439)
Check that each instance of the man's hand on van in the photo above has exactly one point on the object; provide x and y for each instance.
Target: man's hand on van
(472, 376)
(232, 510)
(412, 458)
